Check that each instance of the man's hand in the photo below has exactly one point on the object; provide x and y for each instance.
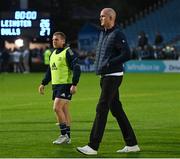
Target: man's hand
(41, 89)
(73, 89)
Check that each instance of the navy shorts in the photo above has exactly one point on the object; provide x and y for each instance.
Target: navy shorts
(63, 91)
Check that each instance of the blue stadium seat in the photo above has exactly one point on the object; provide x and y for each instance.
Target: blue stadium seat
(164, 19)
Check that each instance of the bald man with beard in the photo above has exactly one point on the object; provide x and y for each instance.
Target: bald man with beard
(111, 53)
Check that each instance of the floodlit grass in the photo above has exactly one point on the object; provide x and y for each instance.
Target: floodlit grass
(27, 121)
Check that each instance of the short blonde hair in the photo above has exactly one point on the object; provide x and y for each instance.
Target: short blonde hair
(60, 34)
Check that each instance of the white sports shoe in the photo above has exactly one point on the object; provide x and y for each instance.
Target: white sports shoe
(87, 150)
(62, 139)
(127, 149)
(69, 141)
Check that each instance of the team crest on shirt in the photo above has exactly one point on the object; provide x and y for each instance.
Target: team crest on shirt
(70, 52)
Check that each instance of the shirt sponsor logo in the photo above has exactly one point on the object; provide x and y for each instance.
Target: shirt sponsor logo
(53, 67)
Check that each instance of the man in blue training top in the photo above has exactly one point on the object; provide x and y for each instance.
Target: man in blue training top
(64, 73)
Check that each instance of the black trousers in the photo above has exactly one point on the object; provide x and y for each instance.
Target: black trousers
(109, 99)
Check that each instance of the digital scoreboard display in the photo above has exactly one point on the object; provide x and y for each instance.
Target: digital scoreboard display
(25, 23)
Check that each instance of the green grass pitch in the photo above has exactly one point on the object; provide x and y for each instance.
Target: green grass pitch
(27, 121)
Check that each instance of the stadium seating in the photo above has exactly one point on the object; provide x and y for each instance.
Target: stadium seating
(165, 19)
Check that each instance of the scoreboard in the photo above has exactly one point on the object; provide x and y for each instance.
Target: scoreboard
(25, 23)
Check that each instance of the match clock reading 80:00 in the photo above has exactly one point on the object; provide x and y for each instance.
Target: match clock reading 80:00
(25, 20)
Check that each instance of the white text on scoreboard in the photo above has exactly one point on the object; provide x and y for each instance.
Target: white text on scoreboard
(21, 21)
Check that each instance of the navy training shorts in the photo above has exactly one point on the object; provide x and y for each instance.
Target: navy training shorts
(63, 91)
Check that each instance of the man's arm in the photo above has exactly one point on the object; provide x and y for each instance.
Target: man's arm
(47, 77)
(122, 47)
(72, 61)
(45, 81)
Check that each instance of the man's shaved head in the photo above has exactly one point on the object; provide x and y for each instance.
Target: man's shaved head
(107, 17)
(110, 12)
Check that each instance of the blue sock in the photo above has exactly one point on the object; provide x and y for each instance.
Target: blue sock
(62, 127)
